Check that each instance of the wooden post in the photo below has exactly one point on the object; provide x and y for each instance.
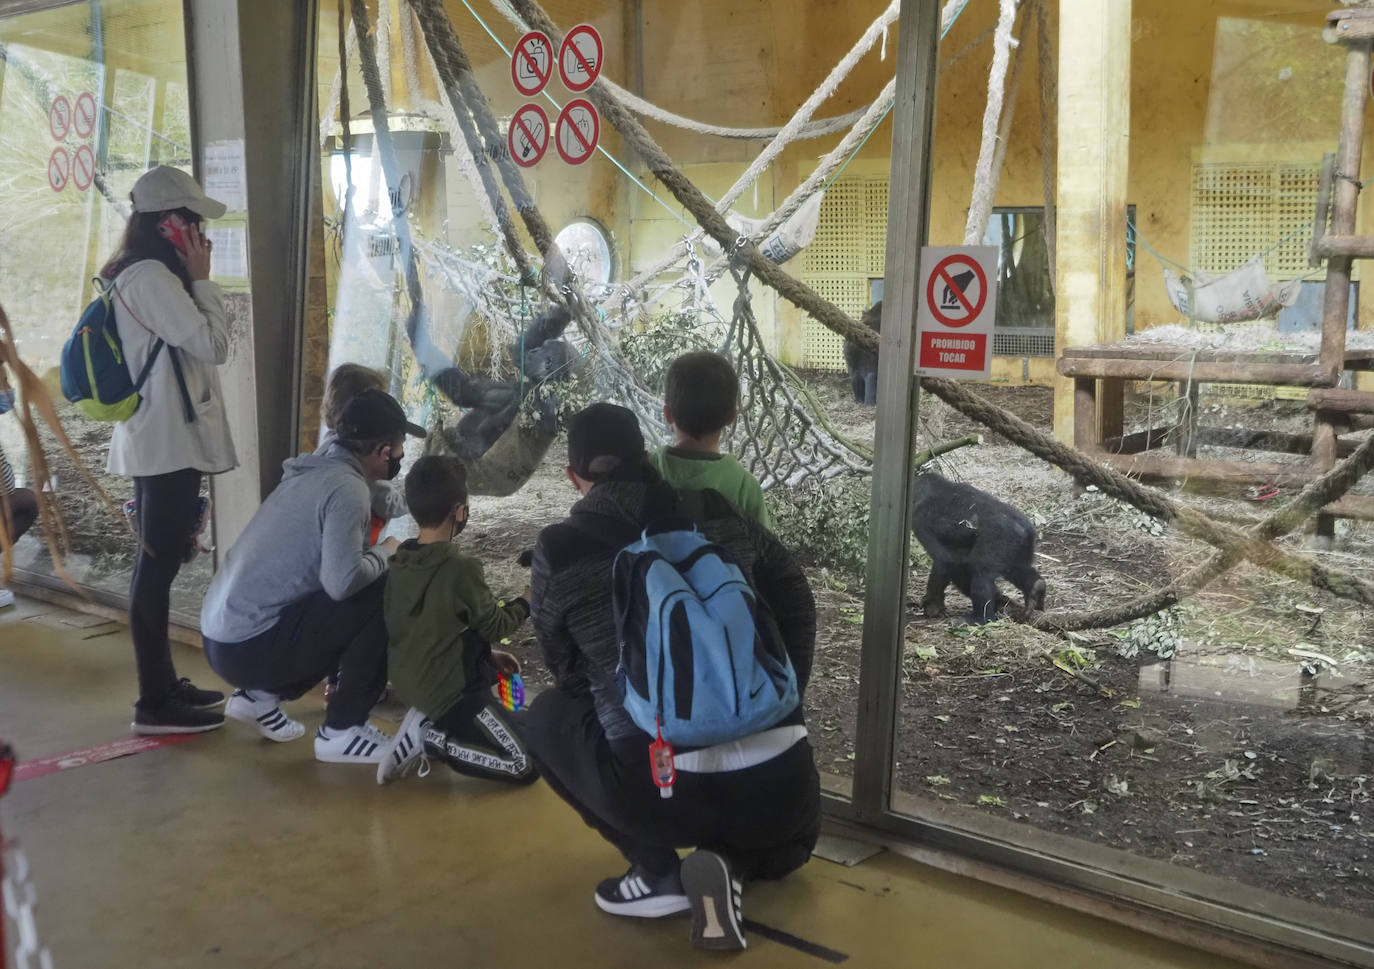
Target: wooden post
(1346, 195)
(1094, 141)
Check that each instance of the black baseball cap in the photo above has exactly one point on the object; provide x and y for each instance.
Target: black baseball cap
(603, 438)
(374, 415)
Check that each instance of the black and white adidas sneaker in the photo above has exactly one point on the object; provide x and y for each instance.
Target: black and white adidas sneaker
(263, 712)
(641, 895)
(364, 744)
(713, 893)
(407, 749)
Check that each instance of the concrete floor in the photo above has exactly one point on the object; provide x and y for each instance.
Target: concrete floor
(232, 851)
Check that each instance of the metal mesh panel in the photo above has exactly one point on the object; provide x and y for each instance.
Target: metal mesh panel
(840, 242)
(823, 349)
(849, 249)
(875, 222)
(1023, 341)
(1241, 210)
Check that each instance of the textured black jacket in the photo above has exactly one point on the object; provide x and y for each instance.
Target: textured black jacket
(571, 585)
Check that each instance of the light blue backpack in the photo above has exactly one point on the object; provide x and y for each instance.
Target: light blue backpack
(701, 659)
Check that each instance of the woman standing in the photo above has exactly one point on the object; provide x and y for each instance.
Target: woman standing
(163, 297)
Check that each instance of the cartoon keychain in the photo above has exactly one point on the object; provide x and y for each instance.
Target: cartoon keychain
(661, 765)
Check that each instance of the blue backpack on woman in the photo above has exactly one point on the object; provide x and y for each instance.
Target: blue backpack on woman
(95, 372)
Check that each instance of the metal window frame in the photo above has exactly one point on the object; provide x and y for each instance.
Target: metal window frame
(1202, 910)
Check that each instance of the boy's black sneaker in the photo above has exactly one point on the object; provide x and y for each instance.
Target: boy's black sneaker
(174, 715)
(194, 696)
(714, 895)
(640, 895)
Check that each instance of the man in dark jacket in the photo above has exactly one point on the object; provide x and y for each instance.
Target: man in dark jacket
(752, 806)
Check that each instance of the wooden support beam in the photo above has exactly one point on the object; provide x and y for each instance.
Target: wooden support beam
(1351, 247)
(1139, 441)
(1094, 129)
(1346, 195)
(1342, 401)
(1274, 441)
(1239, 473)
(1289, 374)
(1085, 430)
(1351, 506)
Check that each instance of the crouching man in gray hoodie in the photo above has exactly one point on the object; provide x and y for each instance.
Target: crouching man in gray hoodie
(300, 593)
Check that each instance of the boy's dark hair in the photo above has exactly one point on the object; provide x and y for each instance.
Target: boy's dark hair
(345, 382)
(702, 391)
(435, 484)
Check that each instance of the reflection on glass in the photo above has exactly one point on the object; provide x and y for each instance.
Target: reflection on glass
(487, 363)
(97, 91)
(1221, 746)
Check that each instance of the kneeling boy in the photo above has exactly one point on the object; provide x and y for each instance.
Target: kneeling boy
(441, 619)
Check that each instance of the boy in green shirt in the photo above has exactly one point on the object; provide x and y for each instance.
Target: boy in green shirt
(441, 620)
(700, 401)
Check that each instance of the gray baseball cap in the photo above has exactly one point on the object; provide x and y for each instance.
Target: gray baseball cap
(164, 188)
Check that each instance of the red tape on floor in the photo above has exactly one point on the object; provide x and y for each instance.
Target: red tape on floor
(29, 769)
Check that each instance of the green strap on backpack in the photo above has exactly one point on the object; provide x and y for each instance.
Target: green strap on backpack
(95, 372)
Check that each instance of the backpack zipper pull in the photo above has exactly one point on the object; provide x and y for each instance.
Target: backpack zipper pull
(661, 763)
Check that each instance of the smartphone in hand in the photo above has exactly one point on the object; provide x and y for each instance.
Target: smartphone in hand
(175, 230)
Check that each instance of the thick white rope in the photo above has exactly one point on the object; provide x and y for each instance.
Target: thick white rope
(803, 114)
(780, 142)
(1008, 111)
(647, 109)
(985, 177)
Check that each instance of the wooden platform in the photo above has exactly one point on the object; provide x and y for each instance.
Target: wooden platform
(1107, 361)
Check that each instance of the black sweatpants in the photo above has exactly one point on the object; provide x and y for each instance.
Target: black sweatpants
(312, 638)
(479, 737)
(168, 505)
(764, 819)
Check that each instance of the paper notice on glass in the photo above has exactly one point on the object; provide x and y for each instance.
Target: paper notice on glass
(228, 255)
(225, 178)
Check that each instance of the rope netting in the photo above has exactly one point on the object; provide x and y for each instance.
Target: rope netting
(780, 435)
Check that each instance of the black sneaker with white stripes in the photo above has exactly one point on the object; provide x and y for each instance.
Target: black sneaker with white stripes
(641, 895)
(714, 896)
(363, 744)
(407, 749)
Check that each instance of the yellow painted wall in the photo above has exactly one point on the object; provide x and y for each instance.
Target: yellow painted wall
(752, 64)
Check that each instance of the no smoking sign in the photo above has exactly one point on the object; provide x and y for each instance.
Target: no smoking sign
(956, 311)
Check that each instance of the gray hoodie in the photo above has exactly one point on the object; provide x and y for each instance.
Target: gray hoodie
(309, 535)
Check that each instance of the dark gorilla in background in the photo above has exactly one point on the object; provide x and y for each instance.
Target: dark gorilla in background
(493, 405)
(973, 539)
(863, 362)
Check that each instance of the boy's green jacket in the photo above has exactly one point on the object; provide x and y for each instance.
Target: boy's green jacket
(436, 600)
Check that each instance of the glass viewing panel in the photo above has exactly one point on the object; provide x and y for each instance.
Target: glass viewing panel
(1223, 747)
(653, 295)
(91, 96)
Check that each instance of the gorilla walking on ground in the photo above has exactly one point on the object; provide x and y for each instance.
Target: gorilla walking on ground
(973, 539)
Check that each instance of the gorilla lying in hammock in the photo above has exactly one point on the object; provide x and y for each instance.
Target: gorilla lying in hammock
(499, 453)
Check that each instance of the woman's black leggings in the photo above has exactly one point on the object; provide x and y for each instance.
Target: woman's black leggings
(168, 505)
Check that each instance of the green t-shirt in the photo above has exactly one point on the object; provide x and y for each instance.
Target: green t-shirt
(682, 468)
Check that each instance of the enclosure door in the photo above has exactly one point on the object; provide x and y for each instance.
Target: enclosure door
(91, 95)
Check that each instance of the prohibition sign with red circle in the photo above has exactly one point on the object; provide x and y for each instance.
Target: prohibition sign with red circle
(60, 117)
(942, 275)
(528, 137)
(83, 118)
(571, 121)
(531, 63)
(83, 168)
(59, 168)
(579, 57)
